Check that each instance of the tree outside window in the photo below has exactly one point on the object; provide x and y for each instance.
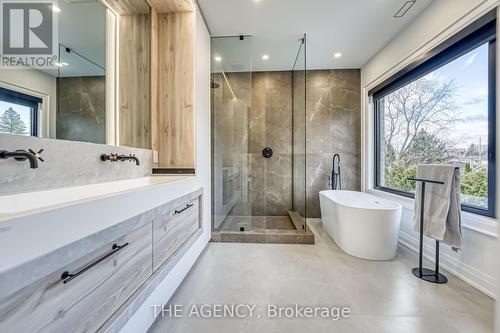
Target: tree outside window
(441, 118)
(11, 122)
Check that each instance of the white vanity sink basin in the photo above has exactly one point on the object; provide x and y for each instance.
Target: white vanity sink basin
(15, 205)
(61, 225)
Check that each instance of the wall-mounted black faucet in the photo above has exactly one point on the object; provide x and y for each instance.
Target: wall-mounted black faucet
(22, 155)
(117, 157)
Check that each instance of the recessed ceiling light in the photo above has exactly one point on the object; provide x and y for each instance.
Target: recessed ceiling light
(265, 57)
(337, 55)
(218, 59)
(55, 8)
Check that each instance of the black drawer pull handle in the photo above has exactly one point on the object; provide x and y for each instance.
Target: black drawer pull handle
(183, 209)
(67, 276)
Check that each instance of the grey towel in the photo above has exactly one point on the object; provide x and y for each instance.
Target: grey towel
(442, 218)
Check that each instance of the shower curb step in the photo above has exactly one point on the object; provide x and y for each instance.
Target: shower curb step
(297, 219)
(265, 236)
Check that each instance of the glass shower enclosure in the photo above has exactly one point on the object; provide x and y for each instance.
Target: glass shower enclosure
(258, 146)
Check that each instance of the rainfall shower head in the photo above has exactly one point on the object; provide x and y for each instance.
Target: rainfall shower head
(213, 84)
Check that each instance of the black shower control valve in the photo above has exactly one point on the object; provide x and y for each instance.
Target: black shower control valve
(267, 152)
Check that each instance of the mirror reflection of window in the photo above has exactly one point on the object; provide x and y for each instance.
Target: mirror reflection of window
(18, 113)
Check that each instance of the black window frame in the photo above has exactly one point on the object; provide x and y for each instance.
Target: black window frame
(479, 33)
(32, 102)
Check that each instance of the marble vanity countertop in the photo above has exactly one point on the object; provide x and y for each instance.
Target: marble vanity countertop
(39, 243)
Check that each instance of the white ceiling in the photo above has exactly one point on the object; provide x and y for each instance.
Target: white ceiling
(356, 28)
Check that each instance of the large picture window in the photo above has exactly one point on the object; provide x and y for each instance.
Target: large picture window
(18, 113)
(442, 111)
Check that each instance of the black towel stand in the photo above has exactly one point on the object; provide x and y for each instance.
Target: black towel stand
(420, 272)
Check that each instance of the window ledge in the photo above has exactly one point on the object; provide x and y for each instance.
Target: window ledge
(481, 224)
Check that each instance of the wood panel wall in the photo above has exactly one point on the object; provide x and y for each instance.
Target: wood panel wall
(171, 6)
(135, 80)
(123, 7)
(175, 89)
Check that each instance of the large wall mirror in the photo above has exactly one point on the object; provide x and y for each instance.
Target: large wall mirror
(99, 89)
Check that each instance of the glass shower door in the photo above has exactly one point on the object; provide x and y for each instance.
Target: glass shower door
(299, 133)
(231, 86)
(258, 145)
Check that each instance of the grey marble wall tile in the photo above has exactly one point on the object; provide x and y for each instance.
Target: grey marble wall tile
(257, 173)
(67, 163)
(269, 124)
(299, 183)
(319, 168)
(81, 111)
(275, 89)
(279, 119)
(257, 118)
(263, 115)
(333, 126)
(279, 185)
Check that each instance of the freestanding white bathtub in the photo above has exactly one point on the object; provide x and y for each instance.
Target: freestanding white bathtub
(361, 224)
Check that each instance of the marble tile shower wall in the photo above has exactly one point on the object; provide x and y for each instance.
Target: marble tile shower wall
(230, 109)
(81, 114)
(261, 115)
(270, 125)
(333, 125)
(67, 163)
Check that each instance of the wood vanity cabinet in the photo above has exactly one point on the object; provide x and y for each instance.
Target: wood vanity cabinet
(174, 227)
(90, 293)
(85, 302)
(85, 295)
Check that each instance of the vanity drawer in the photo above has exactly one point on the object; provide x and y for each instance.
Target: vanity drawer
(102, 282)
(173, 230)
(171, 216)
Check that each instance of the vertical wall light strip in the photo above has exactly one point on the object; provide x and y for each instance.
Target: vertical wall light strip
(112, 79)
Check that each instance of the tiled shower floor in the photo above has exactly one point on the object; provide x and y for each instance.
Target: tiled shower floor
(234, 223)
(261, 229)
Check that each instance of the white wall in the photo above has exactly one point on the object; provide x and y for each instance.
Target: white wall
(36, 83)
(143, 318)
(476, 263)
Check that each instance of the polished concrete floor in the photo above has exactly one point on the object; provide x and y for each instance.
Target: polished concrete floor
(382, 296)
